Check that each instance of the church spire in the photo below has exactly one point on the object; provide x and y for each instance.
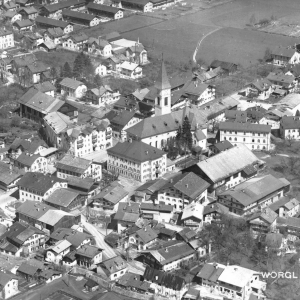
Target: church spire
(162, 81)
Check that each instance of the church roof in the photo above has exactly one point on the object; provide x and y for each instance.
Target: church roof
(162, 81)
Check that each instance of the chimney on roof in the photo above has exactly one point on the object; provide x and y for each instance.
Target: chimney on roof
(186, 185)
(166, 249)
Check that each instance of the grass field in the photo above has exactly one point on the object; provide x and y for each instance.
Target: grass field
(57, 58)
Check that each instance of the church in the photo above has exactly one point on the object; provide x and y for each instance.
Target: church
(157, 130)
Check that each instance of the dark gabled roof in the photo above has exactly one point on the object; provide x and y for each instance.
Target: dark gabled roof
(28, 146)
(210, 272)
(113, 193)
(88, 251)
(81, 183)
(34, 209)
(29, 10)
(128, 212)
(38, 181)
(136, 151)
(236, 115)
(76, 238)
(156, 207)
(215, 207)
(165, 279)
(138, 2)
(23, 23)
(187, 234)
(27, 159)
(247, 127)
(44, 87)
(62, 4)
(78, 15)
(28, 269)
(284, 202)
(51, 22)
(70, 83)
(8, 176)
(73, 164)
(105, 8)
(222, 146)
(224, 65)
(152, 186)
(290, 122)
(146, 234)
(114, 264)
(5, 278)
(123, 118)
(62, 197)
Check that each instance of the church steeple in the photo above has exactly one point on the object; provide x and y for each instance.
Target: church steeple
(163, 86)
(162, 82)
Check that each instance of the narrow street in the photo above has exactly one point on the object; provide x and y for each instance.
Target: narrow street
(99, 238)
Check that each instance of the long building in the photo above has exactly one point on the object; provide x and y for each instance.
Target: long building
(105, 11)
(254, 136)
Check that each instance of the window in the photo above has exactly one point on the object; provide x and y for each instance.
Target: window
(166, 101)
(158, 100)
(244, 139)
(252, 140)
(235, 139)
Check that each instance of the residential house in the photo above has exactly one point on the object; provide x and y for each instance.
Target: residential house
(232, 282)
(290, 226)
(283, 56)
(254, 136)
(183, 189)
(32, 145)
(290, 128)
(220, 147)
(30, 270)
(66, 199)
(127, 214)
(48, 275)
(22, 3)
(9, 176)
(157, 4)
(227, 169)
(22, 239)
(122, 121)
(88, 256)
(45, 217)
(142, 239)
(72, 88)
(35, 105)
(31, 163)
(192, 215)
(102, 95)
(130, 70)
(102, 68)
(143, 6)
(91, 285)
(213, 212)
(166, 284)
(78, 167)
(159, 212)
(186, 234)
(199, 93)
(105, 11)
(12, 16)
(54, 35)
(86, 187)
(282, 81)
(19, 63)
(45, 23)
(170, 257)
(56, 252)
(166, 234)
(54, 10)
(236, 116)
(28, 12)
(254, 194)
(76, 238)
(255, 114)
(99, 46)
(226, 67)
(6, 39)
(286, 207)
(80, 18)
(9, 5)
(33, 73)
(113, 268)
(136, 160)
(260, 89)
(8, 285)
(273, 117)
(110, 197)
(36, 186)
(46, 87)
(263, 221)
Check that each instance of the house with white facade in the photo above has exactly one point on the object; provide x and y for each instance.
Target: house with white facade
(254, 136)
(137, 5)
(290, 128)
(6, 39)
(199, 93)
(54, 35)
(283, 56)
(131, 70)
(98, 46)
(75, 41)
(260, 89)
(183, 189)
(31, 163)
(232, 282)
(122, 121)
(159, 212)
(72, 88)
(113, 268)
(102, 95)
(286, 207)
(56, 252)
(36, 186)
(137, 160)
(141, 239)
(105, 11)
(88, 256)
(8, 285)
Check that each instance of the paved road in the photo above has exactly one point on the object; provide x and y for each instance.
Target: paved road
(99, 238)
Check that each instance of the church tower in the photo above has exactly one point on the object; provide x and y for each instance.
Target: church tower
(163, 86)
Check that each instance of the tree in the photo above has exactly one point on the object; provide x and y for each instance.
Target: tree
(253, 20)
(98, 80)
(67, 71)
(187, 136)
(53, 73)
(268, 54)
(83, 67)
(172, 149)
